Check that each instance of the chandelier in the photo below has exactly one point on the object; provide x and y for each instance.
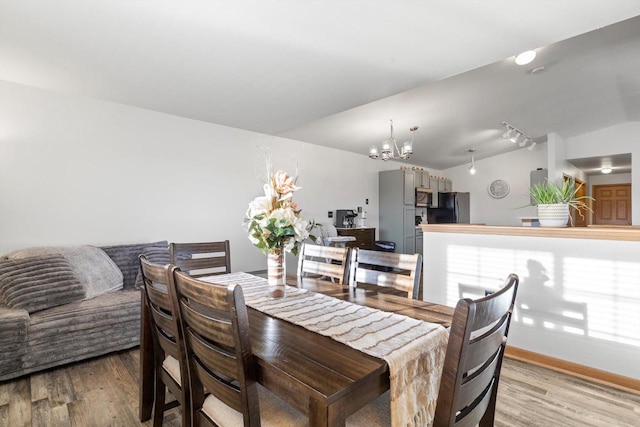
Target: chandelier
(390, 150)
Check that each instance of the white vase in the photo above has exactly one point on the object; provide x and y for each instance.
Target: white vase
(555, 215)
(276, 275)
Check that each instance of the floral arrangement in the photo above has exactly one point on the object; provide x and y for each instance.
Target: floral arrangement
(273, 221)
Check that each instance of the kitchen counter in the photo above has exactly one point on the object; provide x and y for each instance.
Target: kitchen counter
(578, 303)
(628, 233)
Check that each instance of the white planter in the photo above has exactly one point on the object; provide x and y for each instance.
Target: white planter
(556, 215)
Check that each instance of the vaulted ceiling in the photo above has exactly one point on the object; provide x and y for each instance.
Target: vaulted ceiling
(334, 73)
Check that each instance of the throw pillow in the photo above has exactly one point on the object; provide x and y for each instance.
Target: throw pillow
(126, 258)
(93, 268)
(37, 283)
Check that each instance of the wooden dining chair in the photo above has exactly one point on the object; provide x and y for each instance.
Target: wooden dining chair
(201, 259)
(324, 261)
(477, 340)
(400, 272)
(170, 364)
(215, 325)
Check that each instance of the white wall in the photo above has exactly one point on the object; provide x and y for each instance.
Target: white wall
(513, 167)
(77, 170)
(619, 139)
(613, 178)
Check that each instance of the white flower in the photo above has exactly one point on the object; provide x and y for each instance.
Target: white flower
(283, 216)
(259, 206)
(300, 227)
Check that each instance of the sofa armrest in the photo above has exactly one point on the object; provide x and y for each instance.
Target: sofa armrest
(14, 326)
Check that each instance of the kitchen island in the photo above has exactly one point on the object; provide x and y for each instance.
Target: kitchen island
(578, 304)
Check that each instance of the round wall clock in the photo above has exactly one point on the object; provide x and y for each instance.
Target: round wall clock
(498, 189)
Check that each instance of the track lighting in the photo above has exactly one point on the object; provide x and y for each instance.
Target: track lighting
(517, 136)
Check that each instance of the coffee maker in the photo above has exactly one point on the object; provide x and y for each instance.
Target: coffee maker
(345, 218)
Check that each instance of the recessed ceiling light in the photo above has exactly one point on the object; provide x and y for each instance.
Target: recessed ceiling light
(525, 57)
(606, 170)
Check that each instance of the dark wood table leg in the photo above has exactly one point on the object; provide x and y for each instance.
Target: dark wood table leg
(146, 382)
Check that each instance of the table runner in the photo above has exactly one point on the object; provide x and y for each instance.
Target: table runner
(413, 349)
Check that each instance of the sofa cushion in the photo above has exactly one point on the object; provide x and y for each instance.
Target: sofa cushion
(126, 258)
(93, 268)
(39, 282)
(82, 329)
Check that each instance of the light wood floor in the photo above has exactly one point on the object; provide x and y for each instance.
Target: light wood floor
(104, 392)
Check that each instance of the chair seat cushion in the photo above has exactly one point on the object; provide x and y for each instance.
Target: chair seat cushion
(273, 412)
(172, 366)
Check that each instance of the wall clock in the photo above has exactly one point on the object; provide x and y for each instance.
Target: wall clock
(498, 189)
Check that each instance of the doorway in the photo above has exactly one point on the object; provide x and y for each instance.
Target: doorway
(612, 205)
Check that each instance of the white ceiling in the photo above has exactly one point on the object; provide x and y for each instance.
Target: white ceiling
(311, 70)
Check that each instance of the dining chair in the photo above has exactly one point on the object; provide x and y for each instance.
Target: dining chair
(215, 325)
(201, 259)
(477, 340)
(170, 364)
(325, 261)
(400, 272)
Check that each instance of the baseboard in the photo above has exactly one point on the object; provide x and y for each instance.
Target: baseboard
(596, 375)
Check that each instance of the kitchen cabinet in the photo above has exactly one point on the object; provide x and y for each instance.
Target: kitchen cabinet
(396, 216)
(439, 185)
(365, 237)
(422, 179)
(419, 241)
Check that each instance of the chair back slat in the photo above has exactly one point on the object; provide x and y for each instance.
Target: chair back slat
(468, 417)
(215, 324)
(325, 261)
(324, 269)
(208, 326)
(201, 259)
(483, 347)
(218, 359)
(471, 372)
(387, 270)
(475, 384)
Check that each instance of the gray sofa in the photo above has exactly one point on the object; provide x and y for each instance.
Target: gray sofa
(63, 304)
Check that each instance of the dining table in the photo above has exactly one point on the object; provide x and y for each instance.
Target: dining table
(322, 378)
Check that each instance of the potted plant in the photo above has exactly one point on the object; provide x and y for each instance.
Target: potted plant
(554, 200)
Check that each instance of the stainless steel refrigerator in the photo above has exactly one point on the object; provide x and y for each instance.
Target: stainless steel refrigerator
(452, 208)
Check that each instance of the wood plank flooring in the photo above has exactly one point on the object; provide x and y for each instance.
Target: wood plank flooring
(104, 392)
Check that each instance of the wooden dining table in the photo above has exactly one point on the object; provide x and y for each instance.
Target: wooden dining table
(320, 377)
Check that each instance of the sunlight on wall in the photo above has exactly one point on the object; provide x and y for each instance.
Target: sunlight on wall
(595, 298)
(611, 291)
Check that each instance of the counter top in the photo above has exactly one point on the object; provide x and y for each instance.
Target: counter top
(628, 233)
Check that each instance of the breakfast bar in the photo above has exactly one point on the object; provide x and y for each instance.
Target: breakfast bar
(578, 304)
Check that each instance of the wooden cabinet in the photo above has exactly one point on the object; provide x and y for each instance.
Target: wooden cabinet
(365, 237)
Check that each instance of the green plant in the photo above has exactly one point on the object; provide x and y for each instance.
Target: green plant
(549, 193)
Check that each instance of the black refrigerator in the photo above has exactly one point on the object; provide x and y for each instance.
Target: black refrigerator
(452, 208)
